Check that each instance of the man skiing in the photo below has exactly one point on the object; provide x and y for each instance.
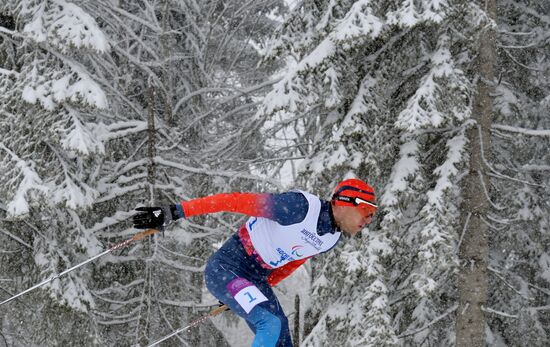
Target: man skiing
(283, 231)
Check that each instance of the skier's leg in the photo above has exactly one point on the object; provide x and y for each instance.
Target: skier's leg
(284, 339)
(269, 321)
(258, 305)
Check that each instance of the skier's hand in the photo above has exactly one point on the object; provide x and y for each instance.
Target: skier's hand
(155, 217)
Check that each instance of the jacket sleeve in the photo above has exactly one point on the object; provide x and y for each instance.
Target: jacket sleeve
(285, 208)
(280, 273)
(251, 204)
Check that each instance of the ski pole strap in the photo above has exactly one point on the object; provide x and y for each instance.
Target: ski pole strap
(213, 313)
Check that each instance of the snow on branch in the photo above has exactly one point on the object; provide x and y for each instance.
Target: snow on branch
(437, 319)
(117, 130)
(10, 235)
(65, 25)
(359, 24)
(118, 321)
(120, 288)
(503, 314)
(78, 137)
(456, 148)
(210, 172)
(178, 265)
(53, 87)
(526, 9)
(9, 72)
(437, 100)
(194, 304)
(511, 286)
(72, 192)
(523, 131)
(411, 13)
(110, 221)
(532, 167)
(405, 168)
(8, 31)
(29, 184)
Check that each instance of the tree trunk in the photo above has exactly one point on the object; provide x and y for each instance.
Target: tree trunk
(151, 145)
(144, 327)
(296, 332)
(473, 252)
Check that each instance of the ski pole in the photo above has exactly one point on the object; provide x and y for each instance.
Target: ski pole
(123, 244)
(213, 313)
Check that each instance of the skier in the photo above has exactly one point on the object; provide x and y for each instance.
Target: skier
(283, 231)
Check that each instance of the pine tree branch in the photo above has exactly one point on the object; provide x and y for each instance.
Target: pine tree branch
(494, 172)
(10, 235)
(4, 338)
(10, 32)
(520, 64)
(524, 131)
(210, 172)
(464, 228)
(528, 10)
(499, 275)
(437, 319)
(502, 314)
(9, 72)
(531, 167)
(155, 29)
(482, 182)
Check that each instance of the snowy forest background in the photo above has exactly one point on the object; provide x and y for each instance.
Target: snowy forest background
(442, 105)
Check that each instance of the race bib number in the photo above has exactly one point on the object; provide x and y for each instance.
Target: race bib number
(245, 293)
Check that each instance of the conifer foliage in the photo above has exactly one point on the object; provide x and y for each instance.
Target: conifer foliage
(383, 90)
(106, 106)
(110, 105)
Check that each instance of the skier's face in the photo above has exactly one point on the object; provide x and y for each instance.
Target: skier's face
(350, 219)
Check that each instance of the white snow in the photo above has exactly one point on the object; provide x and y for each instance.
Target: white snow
(30, 185)
(544, 263)
(81, 139)
(406, 167)
(65, 24)
(523, 131)
(456, 149)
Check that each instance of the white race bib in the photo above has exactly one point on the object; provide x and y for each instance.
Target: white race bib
(245, 293)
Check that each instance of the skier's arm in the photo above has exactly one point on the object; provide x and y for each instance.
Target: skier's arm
(285, 208)
(280, 273)
(251, 204)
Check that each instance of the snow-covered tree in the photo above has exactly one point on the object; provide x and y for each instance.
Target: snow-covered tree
(384, 91)
(517, 306)
(106, 106)
(49, 98)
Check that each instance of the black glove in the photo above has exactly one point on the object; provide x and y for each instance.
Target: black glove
(155, 217)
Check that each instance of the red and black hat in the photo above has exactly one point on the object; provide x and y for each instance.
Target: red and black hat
(354, 192)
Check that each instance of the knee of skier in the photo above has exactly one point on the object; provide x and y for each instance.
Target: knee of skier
(268, 330)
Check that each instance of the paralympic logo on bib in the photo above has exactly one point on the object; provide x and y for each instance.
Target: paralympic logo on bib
(296, 251)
